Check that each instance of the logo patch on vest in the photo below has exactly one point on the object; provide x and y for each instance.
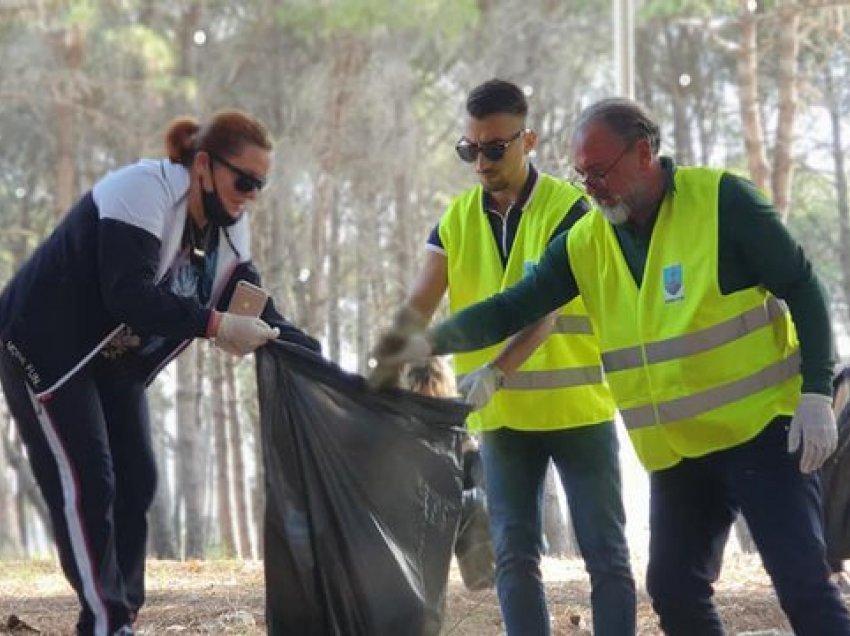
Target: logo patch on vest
(674, 288)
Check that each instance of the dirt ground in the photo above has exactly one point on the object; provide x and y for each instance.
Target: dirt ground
(226, 597)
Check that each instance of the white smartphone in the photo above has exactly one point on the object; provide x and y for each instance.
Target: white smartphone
(248, 299)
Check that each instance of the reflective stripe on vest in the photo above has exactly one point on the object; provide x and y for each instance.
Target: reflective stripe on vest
(572, 324)
(550, 379)
(696, 342)
(693, 405)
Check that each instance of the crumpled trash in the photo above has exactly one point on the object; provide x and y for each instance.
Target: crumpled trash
(15, 625)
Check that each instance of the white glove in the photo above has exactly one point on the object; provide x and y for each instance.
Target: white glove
(479, 386)
(240, 335)
(813, 424)
(394, 350)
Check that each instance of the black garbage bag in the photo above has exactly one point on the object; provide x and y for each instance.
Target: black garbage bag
(835, 480)
(476, 559)
(363, 498)
(473, 469)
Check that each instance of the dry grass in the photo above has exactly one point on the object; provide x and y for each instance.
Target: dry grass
(226, 597)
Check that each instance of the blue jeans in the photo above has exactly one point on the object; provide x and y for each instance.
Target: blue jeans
(693, 506)
(515, 464)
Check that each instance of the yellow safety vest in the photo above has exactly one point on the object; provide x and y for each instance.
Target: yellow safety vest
(560, 385)
(692, 370)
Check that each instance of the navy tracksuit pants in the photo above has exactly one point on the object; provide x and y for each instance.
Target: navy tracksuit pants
(90, 449)
(693, 506)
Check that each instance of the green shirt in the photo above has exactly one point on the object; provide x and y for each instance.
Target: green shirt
(754, 247)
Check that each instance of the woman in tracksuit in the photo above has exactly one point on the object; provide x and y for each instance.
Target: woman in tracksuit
(141, 265)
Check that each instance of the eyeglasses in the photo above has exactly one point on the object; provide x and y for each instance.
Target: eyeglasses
(492, 150)
(598, 177)
(245, 182)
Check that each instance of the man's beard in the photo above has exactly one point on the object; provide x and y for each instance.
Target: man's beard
(617, 214)
(493, 185)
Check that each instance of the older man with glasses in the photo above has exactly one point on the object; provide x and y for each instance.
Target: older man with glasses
(723, 387)
(536, 403)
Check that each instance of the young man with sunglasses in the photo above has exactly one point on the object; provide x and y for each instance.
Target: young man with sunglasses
(535, 404)
(142, 264)
(724, 389)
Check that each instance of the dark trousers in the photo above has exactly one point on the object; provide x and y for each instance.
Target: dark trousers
(693, 506)
(90, 450)
(586, 458)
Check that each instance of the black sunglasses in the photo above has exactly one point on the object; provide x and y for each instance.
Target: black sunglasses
(245, 181)
(492, 150)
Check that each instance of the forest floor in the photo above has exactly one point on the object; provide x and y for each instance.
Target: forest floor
(226, 597)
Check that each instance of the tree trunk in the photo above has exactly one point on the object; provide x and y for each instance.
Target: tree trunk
(162, 542)
(334, 289)
(222, 469)
(557, 526)
(28, 494)
(237, 463)
(363, 276)
(258, 494)
(747, 67)
(190, 20)
(745, 539)
(683, 147)
(783, 166)
(404, 243)
(186, 529)
(348, 55)
(840, 172)
(209, 516)
(315, 284)
(10, 540)
(69, 46)
(190, 463)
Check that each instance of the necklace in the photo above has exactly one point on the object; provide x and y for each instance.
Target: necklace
(197, 240)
